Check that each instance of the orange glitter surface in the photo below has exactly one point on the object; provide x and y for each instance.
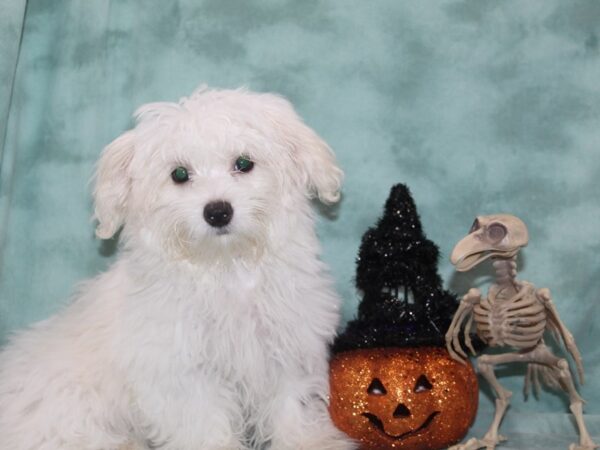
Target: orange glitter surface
(402, 398)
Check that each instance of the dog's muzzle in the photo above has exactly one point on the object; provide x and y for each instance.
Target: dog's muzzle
(218, 214)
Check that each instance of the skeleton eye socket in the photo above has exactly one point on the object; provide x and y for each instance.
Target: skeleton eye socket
(475, 226)
(376, 387)
(496, 232)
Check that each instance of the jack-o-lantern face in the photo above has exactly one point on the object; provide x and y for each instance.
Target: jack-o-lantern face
(402, 398)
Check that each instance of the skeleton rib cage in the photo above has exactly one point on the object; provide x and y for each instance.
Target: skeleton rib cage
(518, 322)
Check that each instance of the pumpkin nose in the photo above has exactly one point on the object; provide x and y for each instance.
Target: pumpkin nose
(401, 411)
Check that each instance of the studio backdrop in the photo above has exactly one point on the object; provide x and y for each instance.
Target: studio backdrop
(479, 106)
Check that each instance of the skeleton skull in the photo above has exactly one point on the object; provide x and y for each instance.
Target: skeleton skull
(498, 235)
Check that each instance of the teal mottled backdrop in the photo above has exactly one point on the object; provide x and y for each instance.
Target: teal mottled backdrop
(480, 106)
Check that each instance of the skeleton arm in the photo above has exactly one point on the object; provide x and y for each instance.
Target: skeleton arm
(465, 309)
(559, 329)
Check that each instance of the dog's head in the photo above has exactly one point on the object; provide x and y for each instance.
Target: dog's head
(217, 170)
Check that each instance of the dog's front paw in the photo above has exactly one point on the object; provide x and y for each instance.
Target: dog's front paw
(327, 440)
(341, 443)
(131, 446)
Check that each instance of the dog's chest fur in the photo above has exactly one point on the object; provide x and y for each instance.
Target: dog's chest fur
(236, 321)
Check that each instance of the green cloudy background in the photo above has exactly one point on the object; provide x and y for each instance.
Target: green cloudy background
(480, 106)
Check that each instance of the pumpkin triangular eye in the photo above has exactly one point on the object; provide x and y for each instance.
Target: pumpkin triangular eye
(376, 387)
(422, 384)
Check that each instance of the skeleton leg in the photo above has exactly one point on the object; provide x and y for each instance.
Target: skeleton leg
(560, 369)
(486, 364)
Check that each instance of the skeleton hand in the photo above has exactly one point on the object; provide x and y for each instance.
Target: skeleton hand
(465, 308)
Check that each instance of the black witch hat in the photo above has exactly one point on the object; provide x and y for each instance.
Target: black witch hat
(404, 303)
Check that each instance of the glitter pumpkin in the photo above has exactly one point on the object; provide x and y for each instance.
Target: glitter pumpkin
(393, 384)
(402, 398)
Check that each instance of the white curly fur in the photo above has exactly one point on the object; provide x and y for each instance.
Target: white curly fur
(193, 339)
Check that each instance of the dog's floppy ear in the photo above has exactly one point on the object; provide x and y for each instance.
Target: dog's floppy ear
(321, 174)
(319, 171)
(113, 185)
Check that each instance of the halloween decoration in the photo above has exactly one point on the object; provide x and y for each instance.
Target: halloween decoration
(405, 398)
(393, 384)
(514, 314)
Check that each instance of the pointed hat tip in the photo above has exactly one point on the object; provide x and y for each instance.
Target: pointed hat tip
(400, 198)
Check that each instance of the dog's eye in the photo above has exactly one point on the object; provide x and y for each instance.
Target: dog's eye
(243, 164)
(180, 175)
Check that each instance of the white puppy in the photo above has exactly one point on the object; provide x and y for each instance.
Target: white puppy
(211, 330)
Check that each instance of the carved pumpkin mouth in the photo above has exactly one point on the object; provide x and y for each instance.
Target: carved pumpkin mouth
(377, 423)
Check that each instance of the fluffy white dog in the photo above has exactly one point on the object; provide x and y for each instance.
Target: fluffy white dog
(211, 330)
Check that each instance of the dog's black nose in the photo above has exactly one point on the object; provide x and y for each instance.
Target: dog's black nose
(218, 214)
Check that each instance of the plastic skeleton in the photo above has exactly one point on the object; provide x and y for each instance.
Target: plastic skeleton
(514, 314)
